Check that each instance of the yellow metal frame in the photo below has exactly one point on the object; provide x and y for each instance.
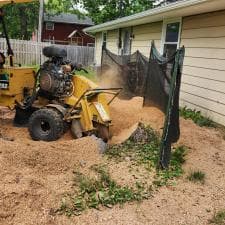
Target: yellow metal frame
(92, 101)
(18, 79)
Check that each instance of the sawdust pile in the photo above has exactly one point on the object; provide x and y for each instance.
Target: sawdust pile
(126, 114)
(35, 175)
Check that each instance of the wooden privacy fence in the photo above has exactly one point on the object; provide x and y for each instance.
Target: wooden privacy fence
(30, 52)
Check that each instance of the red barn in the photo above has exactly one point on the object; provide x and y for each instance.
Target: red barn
(67, 29)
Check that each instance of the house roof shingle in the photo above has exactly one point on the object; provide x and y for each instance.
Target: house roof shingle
(67, 18)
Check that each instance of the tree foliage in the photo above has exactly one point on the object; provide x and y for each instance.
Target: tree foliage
(21, 19)
(100, 10)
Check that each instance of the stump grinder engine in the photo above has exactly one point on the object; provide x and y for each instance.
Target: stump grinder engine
(55, 98)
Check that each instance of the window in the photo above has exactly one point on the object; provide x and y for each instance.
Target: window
(104, 39)
(171, 37)
(49, 26)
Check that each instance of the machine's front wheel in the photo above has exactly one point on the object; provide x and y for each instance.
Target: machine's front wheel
(46, 125)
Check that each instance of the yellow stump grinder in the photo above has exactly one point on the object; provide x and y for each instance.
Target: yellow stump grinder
(55, 98)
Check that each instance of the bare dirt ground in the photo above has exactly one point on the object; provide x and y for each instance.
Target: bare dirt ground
(35, 175)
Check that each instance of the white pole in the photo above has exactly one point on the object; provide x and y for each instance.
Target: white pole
(41, 13)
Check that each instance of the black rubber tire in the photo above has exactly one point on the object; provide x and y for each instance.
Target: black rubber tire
(46, 125)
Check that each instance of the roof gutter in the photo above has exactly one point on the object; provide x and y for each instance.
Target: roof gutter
(151, 12)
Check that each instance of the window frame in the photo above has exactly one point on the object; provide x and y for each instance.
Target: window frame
(164, 30)
(53, 26)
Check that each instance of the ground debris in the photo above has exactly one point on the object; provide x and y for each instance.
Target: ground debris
(3, 137)
(101, 144)
(36, 204)
(141, 134)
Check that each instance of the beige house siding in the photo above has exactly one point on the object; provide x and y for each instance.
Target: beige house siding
(112, 40)
(98, 48)
(203, 81)
(111, 44)
(143, 36)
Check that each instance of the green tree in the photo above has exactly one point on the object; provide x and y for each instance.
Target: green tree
(21, 19)
(100, 10)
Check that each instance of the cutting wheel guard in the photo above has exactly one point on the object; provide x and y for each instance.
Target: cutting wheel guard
(112, 91)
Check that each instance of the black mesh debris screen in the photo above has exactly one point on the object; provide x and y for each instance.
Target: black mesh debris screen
(158, 80)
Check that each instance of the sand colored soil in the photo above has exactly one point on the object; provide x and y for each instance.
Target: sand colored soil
(35, 175)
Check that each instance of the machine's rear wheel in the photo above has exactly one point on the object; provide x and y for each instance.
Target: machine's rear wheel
(46, 125)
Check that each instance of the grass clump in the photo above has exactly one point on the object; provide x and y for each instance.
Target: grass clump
(146, 152)
(218, 218)
(196, 117)
(166, 177)
(197, 176)
(100, 191)
(143, 151)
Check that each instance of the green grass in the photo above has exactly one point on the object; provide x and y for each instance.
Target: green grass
(101, 191)
(175, 170)
(218, 218)
(142, 152)
(196, 117)
(197, 176)
(90, 75)
(146, 153)
(200, 120)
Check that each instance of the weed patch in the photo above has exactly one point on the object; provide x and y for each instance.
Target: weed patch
(166, 177)
(197, 176)
(146, 152)
(101, 191)
(218, 218)
(196, 117)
